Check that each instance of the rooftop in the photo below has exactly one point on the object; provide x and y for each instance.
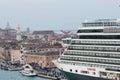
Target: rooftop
(43, 32)
(46, 53)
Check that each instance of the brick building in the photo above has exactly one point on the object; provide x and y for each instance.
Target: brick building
(43, 55)
(43, 59)
(15, 55)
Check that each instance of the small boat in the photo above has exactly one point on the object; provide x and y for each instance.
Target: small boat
(28, 70)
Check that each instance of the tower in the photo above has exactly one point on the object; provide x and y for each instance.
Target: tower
(22, 56)
(8, 25)
(18, 34)
(28, 29)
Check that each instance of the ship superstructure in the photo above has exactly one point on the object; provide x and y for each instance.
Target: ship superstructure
(94, 52)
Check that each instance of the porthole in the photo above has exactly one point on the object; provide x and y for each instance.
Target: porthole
(76, 70)
(70, 70)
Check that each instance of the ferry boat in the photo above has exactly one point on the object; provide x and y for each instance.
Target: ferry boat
(94, 52)
(28, 70)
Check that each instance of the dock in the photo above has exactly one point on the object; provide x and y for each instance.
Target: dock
(49, 77)
(15, 69)
(45, 76)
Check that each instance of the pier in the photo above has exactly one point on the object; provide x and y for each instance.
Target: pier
(50, 77)
(49, 73)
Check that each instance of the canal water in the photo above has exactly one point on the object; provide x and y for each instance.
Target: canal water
(15, 75)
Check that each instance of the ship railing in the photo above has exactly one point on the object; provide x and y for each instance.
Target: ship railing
(115, 67)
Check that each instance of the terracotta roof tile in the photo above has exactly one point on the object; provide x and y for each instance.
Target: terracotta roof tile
(43, 32)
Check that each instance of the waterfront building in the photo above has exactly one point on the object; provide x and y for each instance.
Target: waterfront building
(6, 48)
(41, 54)
(15, 55)
(1, 53)
(94, 52)
(44, 59)
(5, 51)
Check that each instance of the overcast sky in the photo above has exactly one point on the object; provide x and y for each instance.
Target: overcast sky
(55, 14)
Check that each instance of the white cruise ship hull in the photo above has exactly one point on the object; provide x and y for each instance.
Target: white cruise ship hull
(93, 52)
(77, 72)
(73, 76)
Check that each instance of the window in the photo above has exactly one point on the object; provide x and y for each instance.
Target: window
(86, 72)
(76, 70)
(21, 51)
(70, 70)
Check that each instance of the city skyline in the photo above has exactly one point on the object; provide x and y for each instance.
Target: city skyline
(55, 14)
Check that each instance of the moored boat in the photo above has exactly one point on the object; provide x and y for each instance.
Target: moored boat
(28, 70)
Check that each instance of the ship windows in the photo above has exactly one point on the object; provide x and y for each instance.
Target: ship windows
(90, 31)
(70, 70)
(85, 72)
(76, 70)
(112, 43)
(96, 48)
(96, 60)
(103, 73)
(93, 65)
(99, 37)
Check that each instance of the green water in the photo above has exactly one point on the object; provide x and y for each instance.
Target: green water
(15, 75)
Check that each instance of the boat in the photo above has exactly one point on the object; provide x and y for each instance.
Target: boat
(15, 69)
(28, 70)
(93, 53)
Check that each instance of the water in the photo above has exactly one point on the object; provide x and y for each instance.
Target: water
(15, 75)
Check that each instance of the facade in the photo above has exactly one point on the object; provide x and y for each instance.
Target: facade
(5, 51)
(45, 35)
(2, 53)
(7, 48)
(41, 54)
(43, 59)
(94, 52)
(15, 55)
(8, 34)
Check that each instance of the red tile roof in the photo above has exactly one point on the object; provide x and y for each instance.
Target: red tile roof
(43, 32)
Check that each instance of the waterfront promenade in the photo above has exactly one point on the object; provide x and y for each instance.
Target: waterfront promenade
(45, 73)
(16, 75)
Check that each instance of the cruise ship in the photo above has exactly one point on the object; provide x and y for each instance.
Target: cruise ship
(93, 53)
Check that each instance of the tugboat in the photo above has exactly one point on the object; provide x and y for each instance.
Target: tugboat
(28, 70)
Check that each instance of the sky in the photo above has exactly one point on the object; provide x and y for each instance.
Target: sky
(55, 14)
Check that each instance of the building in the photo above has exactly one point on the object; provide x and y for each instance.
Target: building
(18, 34)
(45, 35)
(43, 59)
(2, 53)
(41, 54)
(15, 55)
